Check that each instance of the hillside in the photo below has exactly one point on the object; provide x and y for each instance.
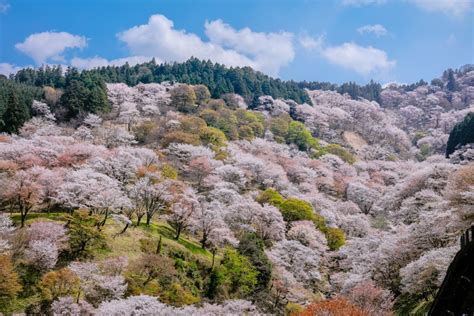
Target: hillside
(161, 196)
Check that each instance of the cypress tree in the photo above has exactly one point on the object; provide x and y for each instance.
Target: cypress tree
(16, 113)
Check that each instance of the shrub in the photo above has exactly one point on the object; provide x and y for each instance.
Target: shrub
(335, 238)
(180, 137)
(213, 137)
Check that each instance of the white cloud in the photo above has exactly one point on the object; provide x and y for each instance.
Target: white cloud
(267, 52)
(4, 7)
(456, 8)
(6, 69)
(45, 46)
(363, 60)
(94, 62)
(377, 29)
(311, 43)
(360, 3)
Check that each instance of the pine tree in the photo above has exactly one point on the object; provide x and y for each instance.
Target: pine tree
(451, 85)
(16, 113)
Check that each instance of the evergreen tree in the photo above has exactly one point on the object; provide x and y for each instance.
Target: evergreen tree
(16, 113)
(451, 85)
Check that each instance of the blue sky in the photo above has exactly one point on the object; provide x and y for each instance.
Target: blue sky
(337, 41)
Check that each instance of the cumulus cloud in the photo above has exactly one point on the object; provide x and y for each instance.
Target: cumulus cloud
(6, 69)
(266, 52)
(456, 8)
(365, 60)
(377, 29)
(94, 62)
(269, 51)
(45, 46)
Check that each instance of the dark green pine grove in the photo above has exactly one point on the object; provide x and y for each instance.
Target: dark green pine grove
(462, 134)
(218, 78)
(15, 104)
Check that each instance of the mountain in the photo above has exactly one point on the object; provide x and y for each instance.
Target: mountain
(164, 196)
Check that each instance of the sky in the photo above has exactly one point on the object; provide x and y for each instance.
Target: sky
(313, 40)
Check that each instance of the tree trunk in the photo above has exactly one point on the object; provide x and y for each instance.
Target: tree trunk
(139, 219)
(105, 218)
(123, 231)
(213, 257)
(148, 219)
(203, 241)
(23, 214)
(158, 248)
(178, 232)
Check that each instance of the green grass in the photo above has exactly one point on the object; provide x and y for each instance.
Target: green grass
(128, 244)
(168, 233)
(32, 217)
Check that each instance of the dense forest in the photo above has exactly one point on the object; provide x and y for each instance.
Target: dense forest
(218, 78)
(72, 92)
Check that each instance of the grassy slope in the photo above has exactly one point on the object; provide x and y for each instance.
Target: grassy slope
(128, 243)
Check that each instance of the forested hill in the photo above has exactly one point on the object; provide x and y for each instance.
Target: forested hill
(218, 78)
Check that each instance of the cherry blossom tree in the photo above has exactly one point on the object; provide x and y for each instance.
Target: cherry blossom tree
(269, 223)
(298, 260)
(96, 285)
(362, 195)
(308, 235)
(424, 276)
(372, 299)
(183, 211)
(150, 198)
(67, 305)
(92, 120)
(24, 192)
(6, 228)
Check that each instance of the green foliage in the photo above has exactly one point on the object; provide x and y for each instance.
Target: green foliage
(184, 98)
(235, 124)
(462, 133)
(9, 283)
(16, 113)
(59, 283)
(339, 151)
(425, 150)
(219, 79)
(83, 93)
(299, 135)
(202, 93)
(253, 248)
(169, 172)
(15, 104)
(213, 137)
(180, 137)
(451, 85)
(235, 277)
(178, 296)
(294, 209)
(270, 196)
(83, 235)
(192, 124)
(279, 127)
(335, 238)
(370, 91)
